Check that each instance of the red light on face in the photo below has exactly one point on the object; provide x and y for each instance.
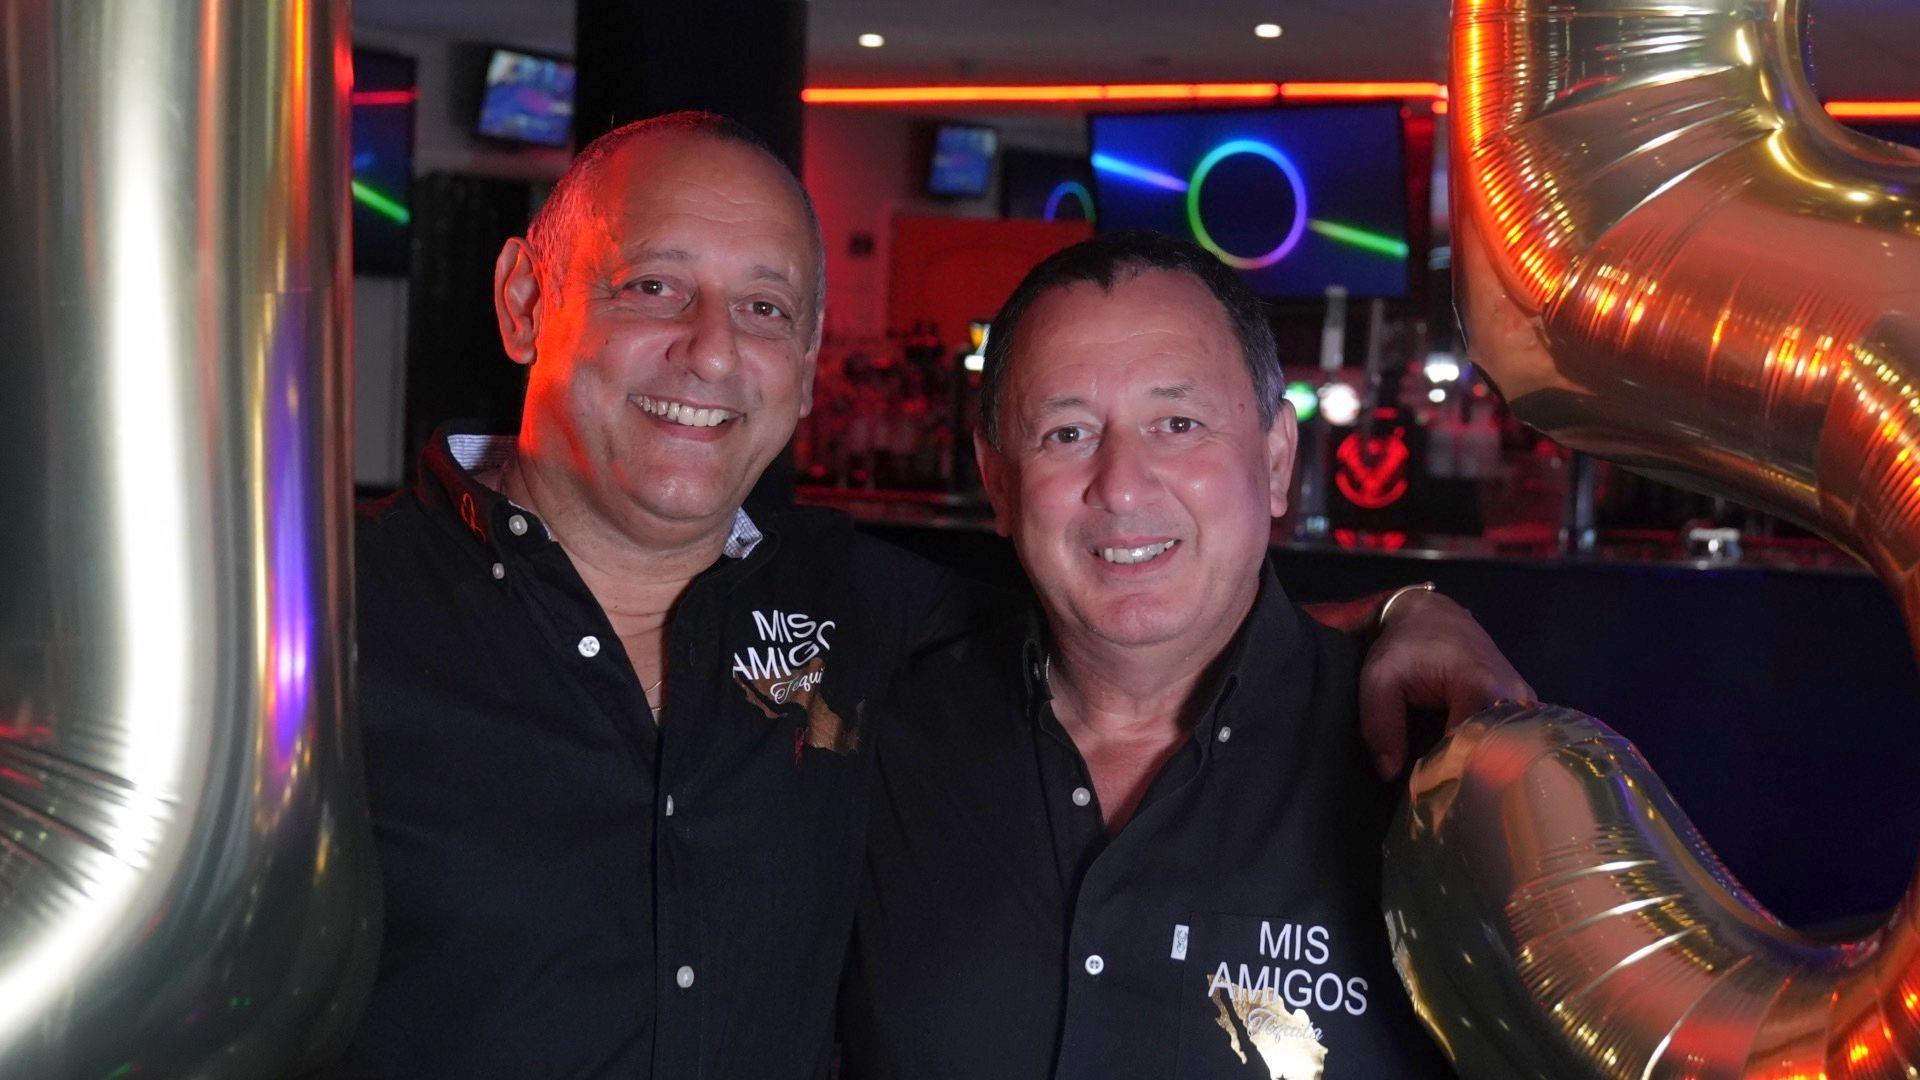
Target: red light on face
(1371, 470)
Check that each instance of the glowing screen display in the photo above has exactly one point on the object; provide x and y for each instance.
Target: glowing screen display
(528, 98)
(1045, 186)
(1296, 199)
(962, 160)
(384, 93)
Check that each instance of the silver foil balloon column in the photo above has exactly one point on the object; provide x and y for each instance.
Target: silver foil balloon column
(186, 873)
(1667, 255)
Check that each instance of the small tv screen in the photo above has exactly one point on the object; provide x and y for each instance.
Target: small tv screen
(1042, 186)
(384, 92)
(962, 162)
(528, 99)
(1295, 198)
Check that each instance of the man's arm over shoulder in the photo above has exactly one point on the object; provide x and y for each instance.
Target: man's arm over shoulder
(1424, 653)
(935, 605)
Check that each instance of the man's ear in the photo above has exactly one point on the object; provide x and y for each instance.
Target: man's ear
(996, 474)
(516, 299)
(1282, 442)
(809, 366)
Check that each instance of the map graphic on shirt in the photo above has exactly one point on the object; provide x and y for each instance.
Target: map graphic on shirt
(1284, 1038)
(781, 676)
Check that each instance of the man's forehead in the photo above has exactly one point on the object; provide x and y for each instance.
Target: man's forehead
(670, 166)
(658, 185)
(1147, 330)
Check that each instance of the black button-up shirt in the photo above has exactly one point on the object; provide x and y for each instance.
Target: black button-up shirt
(572, 890)
(1232, 928)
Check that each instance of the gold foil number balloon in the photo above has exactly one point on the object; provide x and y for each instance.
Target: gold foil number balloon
(1668, 255)
(186, 872)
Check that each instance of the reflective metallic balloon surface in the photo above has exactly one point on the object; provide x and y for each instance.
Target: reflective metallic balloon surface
(186, 873)
(1667, 255)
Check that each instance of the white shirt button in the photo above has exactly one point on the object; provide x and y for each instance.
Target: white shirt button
(669, 806)
(499, 571)
(1081, 796)
(517, 525)
(684, 977)
(589, 646)
(1095, 965)
(1225, 733)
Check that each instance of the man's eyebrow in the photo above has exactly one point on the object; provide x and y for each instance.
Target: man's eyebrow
(1173, 391)
(1060, 404)
(664, 254)
(682, 255)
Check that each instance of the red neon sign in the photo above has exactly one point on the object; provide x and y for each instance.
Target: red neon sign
(1371, 470)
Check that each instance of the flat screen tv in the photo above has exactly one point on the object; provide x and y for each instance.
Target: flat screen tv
(1295, 198)
(528, 98)
(1044, 186)
(382, 102)
(962, 161)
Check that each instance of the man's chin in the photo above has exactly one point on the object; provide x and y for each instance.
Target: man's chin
(688, 504)
(1138, 622)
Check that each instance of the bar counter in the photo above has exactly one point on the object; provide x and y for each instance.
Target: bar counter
(1774, 693)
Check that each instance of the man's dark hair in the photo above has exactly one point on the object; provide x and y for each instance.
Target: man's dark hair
(1111, 258)
(550, 233)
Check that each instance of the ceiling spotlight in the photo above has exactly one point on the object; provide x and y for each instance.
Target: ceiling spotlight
(1267, 30)
(871, 41)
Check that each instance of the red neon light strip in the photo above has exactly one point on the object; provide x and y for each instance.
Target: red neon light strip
(1434, 90)
(904, 95)
(1071, 92)
(1292, 91)
(384, 97)
(1874, 110)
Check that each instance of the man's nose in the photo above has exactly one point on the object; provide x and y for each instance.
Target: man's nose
(711, 344)
(1123, 477)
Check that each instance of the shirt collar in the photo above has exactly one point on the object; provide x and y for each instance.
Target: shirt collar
(453, 457)
(1257, 666)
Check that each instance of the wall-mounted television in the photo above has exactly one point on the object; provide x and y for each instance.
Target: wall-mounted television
(1295, 198)
(961, 165)
(528, 98)
(382, 103)
(1045, 186)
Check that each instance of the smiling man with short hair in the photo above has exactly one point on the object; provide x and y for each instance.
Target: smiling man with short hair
(618, 710)
(1138, 834)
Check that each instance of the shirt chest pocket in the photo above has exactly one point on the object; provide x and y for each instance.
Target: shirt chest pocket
(1272, 997)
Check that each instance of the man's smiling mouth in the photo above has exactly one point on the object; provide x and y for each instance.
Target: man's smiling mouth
(1127, 556)
(675, 412)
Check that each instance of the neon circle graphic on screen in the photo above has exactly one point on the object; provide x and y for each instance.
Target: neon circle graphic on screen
(1060, 194)
(1295, 231)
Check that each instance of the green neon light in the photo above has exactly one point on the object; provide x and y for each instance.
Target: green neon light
(1361, 238)
(1304, 399)
(383, 205)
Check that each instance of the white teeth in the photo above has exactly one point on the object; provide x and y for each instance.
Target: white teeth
(675, 413)
(1128, 556)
